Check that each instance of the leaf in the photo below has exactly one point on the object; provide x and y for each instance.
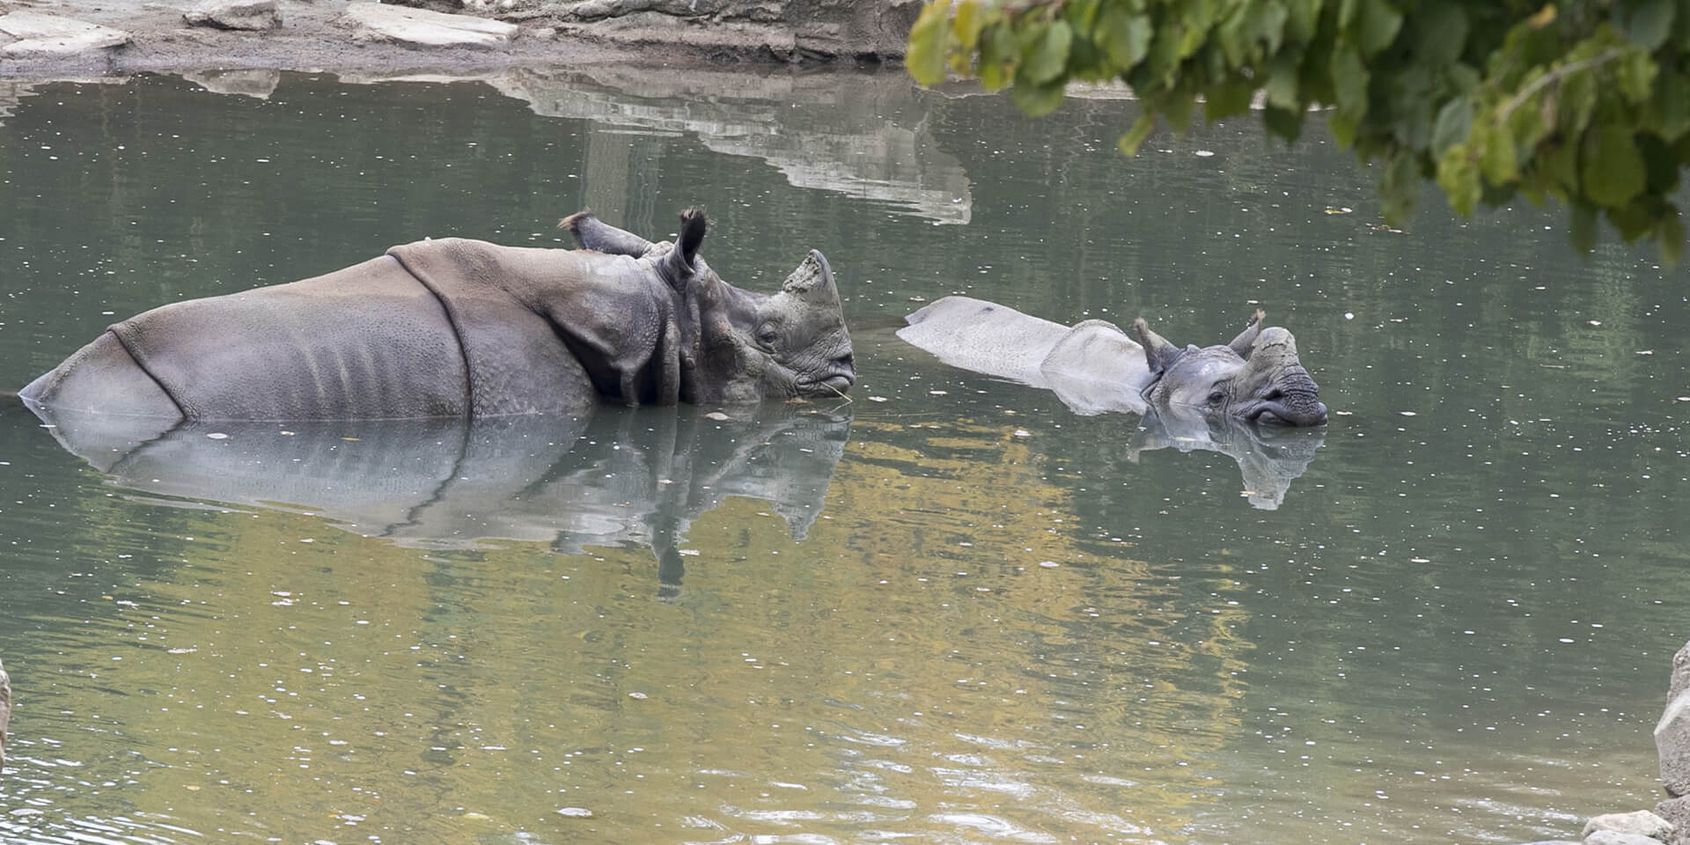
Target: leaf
(1647, 22)
(1399, 186)
(1669, 233)
(1126, 37)
(1286, 123)
(1228, 98)
(1440, 32)
(1176, 109)
(929, 39)
(969, 19)
(1459, 178)
(1135, 136)
(1036, 100)
(997, 47)
(1636, 76)
(1303, 17)
(1660, 166)
(1611, 167)
(1282, 84)
(1375, 26)
(1498, 159)
(1454, 121)
(1632, 220)
(1669, 109)
(1045, 57)
(1349, 81)
(1343, 128)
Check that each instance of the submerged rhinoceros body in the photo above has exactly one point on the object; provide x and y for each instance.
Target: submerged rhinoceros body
(1095, 367)
(456, 327)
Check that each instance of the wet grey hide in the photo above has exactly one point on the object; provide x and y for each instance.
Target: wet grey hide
(1096, 368)
(456, 327)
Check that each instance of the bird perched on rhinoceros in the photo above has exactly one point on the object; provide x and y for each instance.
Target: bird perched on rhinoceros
(456, 327)
(1095, 367)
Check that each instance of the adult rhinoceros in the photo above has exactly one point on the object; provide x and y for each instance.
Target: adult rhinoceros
(454, 327)
(1095, 367)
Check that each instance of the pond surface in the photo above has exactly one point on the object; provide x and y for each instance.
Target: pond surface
(951, 611)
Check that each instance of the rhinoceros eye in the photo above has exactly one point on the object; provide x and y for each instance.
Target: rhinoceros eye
(1215, 397)
(767, 336)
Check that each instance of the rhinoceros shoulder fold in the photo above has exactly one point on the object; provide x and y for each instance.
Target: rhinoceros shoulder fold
(1095, 368)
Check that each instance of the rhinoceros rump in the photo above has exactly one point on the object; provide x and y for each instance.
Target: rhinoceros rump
(455, 327)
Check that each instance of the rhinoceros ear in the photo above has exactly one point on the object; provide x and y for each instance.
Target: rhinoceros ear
(1158, 352)
(1247, 339)
(599, 236)
(681, 258)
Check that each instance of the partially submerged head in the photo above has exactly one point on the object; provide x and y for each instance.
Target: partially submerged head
(790, 344)
(1256, 377)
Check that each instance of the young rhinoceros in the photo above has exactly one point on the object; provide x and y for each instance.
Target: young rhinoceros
(1094, 367)
(457, 327)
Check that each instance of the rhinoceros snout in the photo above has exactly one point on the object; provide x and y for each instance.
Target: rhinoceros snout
(1295, 409)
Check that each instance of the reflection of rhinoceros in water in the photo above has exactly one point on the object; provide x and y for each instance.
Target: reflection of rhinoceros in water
(628, 478)
(1269, 458)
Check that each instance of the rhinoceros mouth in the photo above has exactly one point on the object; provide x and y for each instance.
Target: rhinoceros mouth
(833, 385)
(1299, 411)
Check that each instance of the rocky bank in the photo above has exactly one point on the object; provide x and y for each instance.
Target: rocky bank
(1669, 823)
(40, 38)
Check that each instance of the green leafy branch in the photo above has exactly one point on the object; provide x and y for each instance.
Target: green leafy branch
(1586, 103)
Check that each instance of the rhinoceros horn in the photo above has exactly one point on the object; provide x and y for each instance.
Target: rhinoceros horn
(1158, 352)
(599, 236)
(1247, 338)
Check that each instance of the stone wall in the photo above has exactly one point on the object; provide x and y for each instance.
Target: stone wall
(786, 30)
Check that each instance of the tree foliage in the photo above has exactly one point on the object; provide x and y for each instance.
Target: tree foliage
(1584, 102)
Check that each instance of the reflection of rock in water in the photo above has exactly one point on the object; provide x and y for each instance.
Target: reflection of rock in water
(13, 91)
(854, 133)
(246, 83)
(616, 478)
(1269, 458)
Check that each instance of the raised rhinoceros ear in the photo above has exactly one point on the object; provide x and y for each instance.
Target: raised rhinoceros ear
(599, 236)
(693, 226)
(1158, 352)
(1247, 338)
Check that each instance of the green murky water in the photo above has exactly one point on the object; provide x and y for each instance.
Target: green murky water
(950, 612)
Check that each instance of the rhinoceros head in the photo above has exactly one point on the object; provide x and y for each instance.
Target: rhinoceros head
(1256, 377)
(785, 345)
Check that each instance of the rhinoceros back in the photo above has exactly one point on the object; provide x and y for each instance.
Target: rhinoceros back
(366, 342)
(425, 331)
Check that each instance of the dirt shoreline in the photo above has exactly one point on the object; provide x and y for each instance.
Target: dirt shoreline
(315, 36)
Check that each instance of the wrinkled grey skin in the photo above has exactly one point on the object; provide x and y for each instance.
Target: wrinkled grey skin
(1269, 458)
(791, 344)
(1257, 377)
(464, 328)
(1096, 368)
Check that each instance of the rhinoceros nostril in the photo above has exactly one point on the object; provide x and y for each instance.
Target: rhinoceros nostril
(1274, 395)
